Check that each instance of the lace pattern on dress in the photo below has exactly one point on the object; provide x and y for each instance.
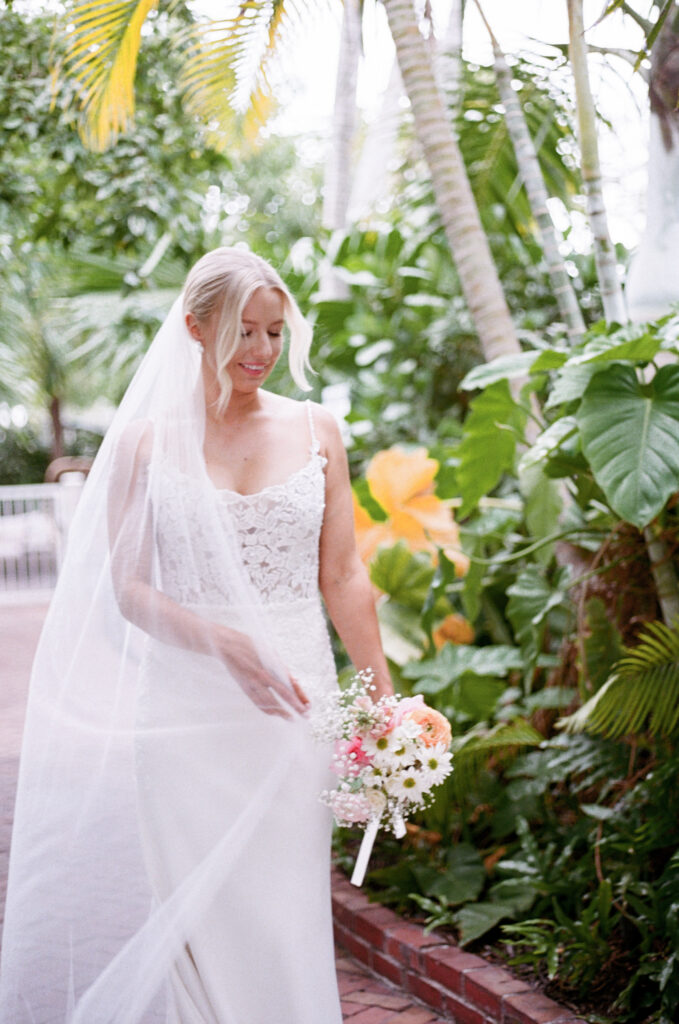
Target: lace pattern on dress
(277, 529)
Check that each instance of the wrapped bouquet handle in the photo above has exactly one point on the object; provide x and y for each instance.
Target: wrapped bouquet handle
(389, 755)
(366, 847)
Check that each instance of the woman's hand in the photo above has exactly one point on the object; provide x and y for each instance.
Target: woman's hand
(266, 690)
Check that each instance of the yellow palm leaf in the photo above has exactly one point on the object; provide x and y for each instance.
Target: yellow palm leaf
(227, 63)
(101, 58)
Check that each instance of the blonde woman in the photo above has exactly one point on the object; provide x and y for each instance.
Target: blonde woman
(171, 856)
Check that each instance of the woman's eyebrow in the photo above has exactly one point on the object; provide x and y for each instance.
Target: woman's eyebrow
(272, 324)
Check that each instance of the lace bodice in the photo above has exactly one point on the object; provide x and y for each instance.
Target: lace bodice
(276, 530)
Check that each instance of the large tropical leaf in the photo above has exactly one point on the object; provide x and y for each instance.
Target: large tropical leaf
(630, 436)
(488, 447)
(641, 695)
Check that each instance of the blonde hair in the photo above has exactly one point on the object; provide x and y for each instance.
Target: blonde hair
(225, 280)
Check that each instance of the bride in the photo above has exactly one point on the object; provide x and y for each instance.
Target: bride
(170, 856)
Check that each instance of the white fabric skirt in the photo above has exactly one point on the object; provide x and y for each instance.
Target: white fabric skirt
(232, 794)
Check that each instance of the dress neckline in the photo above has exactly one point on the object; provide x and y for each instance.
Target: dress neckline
(229, 492)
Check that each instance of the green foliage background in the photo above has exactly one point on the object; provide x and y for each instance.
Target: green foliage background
(556, 836)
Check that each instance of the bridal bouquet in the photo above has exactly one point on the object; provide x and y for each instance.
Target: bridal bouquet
(389, 755)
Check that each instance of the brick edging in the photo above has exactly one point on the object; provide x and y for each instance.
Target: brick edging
(435, 971)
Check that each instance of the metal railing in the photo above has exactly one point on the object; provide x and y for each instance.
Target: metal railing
(34, 520)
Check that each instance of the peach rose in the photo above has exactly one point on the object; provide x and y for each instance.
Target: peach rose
(435, 726)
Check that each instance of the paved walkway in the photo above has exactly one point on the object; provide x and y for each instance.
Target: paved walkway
(365, 998)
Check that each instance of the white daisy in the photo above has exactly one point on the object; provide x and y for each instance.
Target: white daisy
(435, 766)
(405, 785)
(394, 749)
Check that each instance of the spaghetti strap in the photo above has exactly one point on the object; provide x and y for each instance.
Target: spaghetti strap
(315, 445)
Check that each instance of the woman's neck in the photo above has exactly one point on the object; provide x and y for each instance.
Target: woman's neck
(241, 404)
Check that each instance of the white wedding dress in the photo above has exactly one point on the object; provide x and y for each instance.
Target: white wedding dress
(261, 950)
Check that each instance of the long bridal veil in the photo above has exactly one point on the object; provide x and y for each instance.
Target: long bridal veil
(132, 676)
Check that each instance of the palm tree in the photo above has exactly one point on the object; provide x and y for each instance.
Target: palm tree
(531, 174)
(104, 42)
(454, 197)
(59, 345)
(604, 253)
(653, 278)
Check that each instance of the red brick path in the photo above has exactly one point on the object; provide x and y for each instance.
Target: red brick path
(365, 998)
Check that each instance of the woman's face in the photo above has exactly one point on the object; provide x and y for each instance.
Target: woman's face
(260, 343)
(261, 340)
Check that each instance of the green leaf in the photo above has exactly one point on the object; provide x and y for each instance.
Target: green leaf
(454, 660)
(476, 696)
(543, 506)
(570, 384)
(549, 697)
(488, 444)
(602, 646)
(549, 359)
(641, 695)
(464, 878)
(597, 811)
(607, 349)
(476, 919)
(501, 369)
(549, 441)
(518, 893)
(531, 598)
(403, 575)
(472, 750)
(472, 585)
(364, 495)
(630, 435)
(402, 635)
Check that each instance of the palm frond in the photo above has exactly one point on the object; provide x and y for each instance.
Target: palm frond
(472, 751)
(101, 59)
(227, 64)
(641, 694)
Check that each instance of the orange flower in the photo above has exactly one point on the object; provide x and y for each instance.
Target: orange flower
(403, 484)
(435, 726)
(454, 629)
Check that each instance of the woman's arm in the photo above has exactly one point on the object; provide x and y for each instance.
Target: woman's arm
(344, 581)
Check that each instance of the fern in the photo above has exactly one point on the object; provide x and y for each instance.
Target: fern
(471, 751)
(641, 694)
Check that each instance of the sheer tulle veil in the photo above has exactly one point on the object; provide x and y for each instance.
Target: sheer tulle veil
(90, 930)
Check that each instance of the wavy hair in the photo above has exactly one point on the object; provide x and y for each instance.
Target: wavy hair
(225, 280)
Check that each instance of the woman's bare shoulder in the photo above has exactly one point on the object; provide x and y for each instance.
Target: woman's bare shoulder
(135, 442)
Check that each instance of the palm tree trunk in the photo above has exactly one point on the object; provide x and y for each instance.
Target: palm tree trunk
(449, 61)
(339, 161)
(454, 197)
(57, 427)
(604, 253)
(664, 575)
(653, 278)
(529, 168)
(338, 166)
(371, 180)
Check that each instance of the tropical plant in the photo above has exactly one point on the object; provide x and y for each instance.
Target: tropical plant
(642, 693)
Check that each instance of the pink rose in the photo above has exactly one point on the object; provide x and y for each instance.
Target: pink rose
(350, 757)
(404, 707)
